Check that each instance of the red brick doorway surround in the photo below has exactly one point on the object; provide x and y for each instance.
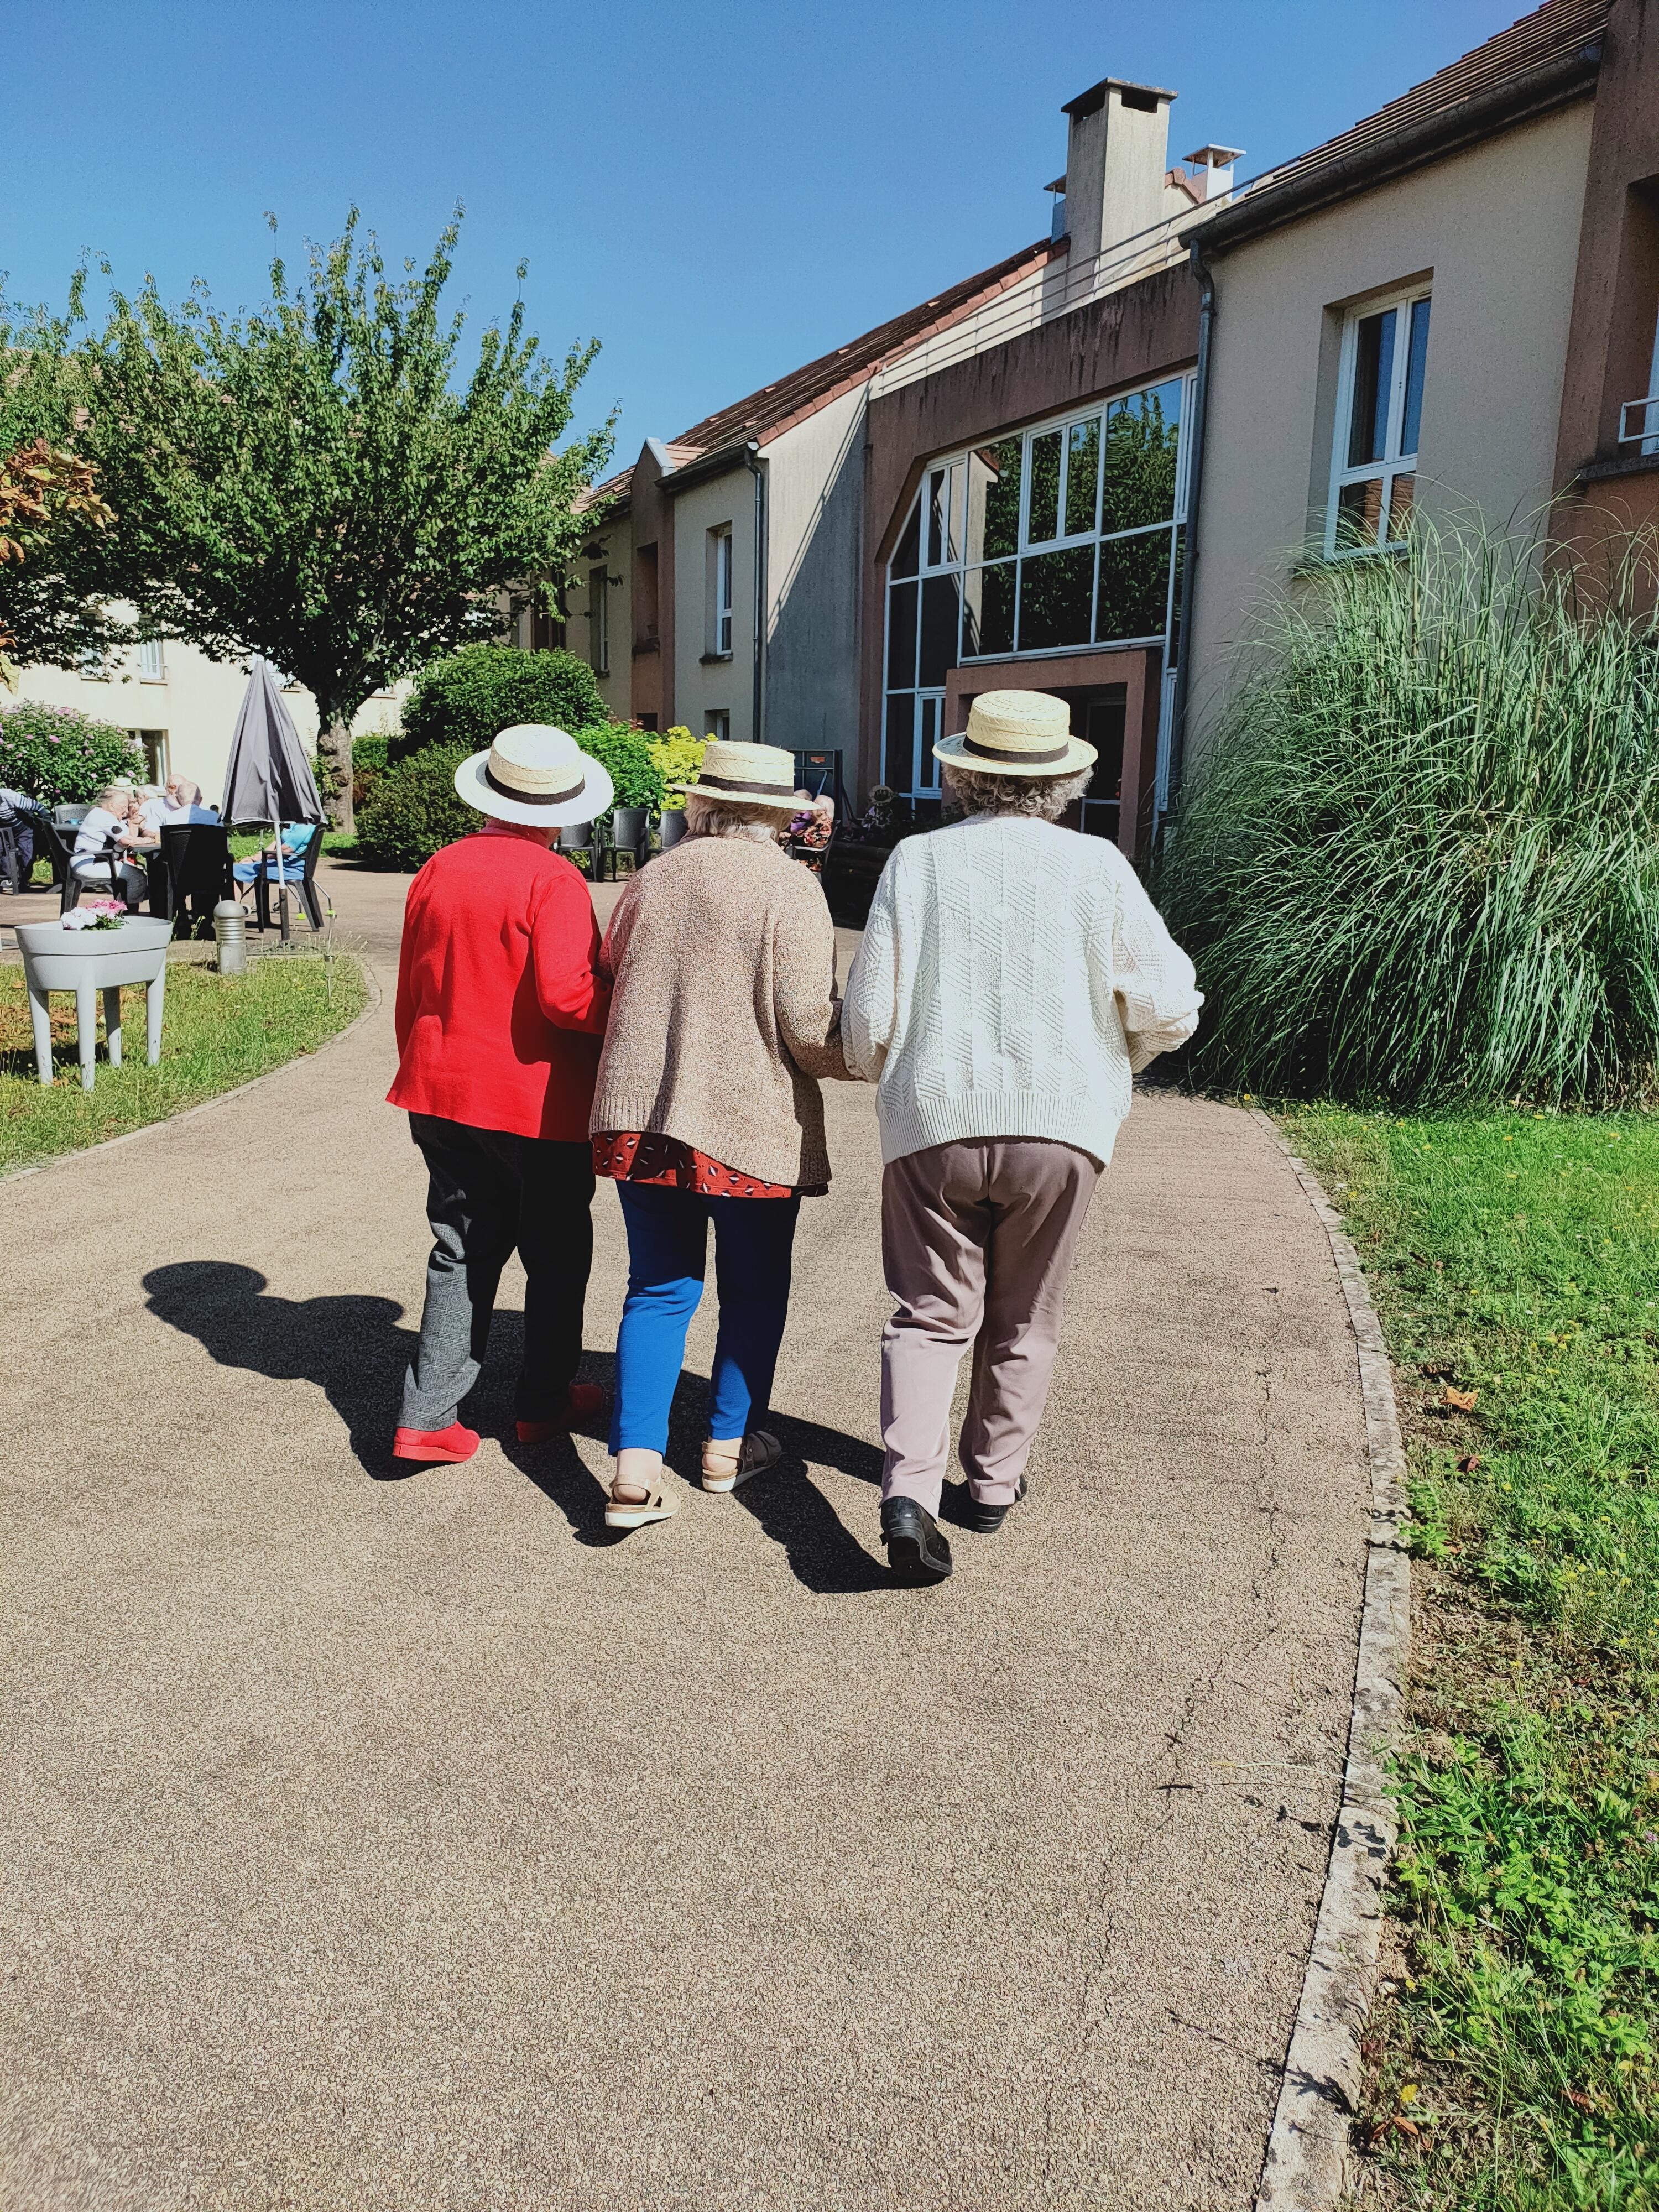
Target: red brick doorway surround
(1137, 668)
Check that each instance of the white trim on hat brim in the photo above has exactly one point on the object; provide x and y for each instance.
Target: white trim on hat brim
(1078, 756)
(596, 797)
(795, 804)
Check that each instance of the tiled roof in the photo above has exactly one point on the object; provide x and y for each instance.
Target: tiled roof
(1551, 33)
(766, 414)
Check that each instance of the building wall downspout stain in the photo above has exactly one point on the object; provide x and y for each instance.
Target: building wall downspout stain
(752, 462)
(1165, 799)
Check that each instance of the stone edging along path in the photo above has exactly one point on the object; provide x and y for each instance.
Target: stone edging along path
(1308, 2166)
(371, 1001)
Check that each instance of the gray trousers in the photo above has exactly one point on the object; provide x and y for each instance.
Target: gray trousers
(977, 1243)
(489, 1192)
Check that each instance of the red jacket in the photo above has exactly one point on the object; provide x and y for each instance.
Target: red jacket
(500, 1007)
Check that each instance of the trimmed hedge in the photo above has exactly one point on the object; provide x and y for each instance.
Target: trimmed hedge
(62, 756)
(471, 695)
(412, 808)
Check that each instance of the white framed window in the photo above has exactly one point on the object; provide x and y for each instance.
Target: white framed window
(1638, 419)
(92, 665)
(719, 590)
(151, 668)
(598, 621)
(1379, 416)
(1063, 538)
(717, 723)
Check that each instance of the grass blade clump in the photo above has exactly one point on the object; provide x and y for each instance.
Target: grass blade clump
(1419, 857)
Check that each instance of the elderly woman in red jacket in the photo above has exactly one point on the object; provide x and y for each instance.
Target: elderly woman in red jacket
(499, 1012)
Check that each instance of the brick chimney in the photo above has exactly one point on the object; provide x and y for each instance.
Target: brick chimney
(1116, 158)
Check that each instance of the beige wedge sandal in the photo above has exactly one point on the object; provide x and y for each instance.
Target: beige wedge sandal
(639, 1512)
(725, 1470)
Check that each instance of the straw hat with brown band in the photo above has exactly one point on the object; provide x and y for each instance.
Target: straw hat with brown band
(1017, 733)
(748, 775)
(536, 774)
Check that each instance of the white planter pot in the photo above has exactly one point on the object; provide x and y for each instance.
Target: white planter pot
(87, 961)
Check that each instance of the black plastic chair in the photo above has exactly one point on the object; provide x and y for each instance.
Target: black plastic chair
(630, 833)
(69, 817)
(194, 872)
(11, 868)
(110, 857)
(53, 844)
(302, 885)
(670, 826)
(578, 837)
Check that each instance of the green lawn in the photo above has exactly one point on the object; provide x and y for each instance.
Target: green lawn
(1514, 1258)
(337, 844)
(220, 1031)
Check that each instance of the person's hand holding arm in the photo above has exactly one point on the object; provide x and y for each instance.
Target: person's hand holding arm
(1153, 982)
(807, 1011)
(564, 949)
(870, 1014)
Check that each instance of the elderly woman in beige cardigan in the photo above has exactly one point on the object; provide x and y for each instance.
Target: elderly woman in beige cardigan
(708, 1110)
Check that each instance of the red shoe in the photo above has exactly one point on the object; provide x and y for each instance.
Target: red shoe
(436, 1447)
(583, 1400)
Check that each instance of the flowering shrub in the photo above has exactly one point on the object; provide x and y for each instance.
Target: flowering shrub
(675, 755)
(61, 757)
(95, 913)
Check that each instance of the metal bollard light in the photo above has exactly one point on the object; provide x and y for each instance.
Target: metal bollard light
(230, 935)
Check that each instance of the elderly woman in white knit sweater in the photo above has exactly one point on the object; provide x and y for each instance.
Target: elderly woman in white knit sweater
(708, 1112)
(1013, 976)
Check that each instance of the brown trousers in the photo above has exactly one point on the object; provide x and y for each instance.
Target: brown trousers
(976, 1244)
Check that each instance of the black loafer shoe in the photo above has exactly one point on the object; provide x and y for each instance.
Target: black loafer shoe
(917, 1549)
(988, 1519)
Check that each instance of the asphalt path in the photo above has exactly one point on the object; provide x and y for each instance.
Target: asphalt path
(383, 1839)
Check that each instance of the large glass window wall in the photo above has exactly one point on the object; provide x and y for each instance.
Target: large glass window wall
(1060, 539)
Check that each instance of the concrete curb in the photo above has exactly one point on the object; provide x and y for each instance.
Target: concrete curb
(1307, 2165)
(220, 1098)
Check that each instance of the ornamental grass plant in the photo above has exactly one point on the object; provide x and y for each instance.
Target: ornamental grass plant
(1420, 860)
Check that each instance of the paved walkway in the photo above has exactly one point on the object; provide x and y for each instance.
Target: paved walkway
(409, 1845)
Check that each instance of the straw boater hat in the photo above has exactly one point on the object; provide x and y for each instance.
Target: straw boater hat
(748, 775)
(535, 774)
(1017, 733)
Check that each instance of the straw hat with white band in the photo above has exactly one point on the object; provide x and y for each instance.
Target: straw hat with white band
(537, 775)
(748, 775)
(1017, 733)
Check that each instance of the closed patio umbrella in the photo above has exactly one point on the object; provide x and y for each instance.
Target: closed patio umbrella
(269, 778)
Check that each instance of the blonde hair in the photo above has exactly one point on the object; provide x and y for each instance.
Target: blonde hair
(726, 817)
(114, 798)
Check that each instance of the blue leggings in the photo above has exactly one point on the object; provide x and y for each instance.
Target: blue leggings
(667, 1238)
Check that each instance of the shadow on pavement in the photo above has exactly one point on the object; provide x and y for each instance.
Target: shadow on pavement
(355, 1349)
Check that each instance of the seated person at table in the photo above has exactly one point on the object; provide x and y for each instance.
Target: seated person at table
(294, 838)
(185, 802)
(109, 823)
(153, 804)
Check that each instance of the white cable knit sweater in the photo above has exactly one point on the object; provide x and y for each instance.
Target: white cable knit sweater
(1013, 976)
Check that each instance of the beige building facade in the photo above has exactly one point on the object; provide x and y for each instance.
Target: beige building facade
(183, 706)
(1477, 250)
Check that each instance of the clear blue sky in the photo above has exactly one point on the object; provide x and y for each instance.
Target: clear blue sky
(717, 191)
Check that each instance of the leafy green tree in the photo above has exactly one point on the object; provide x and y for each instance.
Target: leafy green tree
(58, 563)
(313, 481)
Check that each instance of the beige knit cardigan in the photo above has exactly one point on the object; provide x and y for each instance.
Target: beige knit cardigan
(725, 1009)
